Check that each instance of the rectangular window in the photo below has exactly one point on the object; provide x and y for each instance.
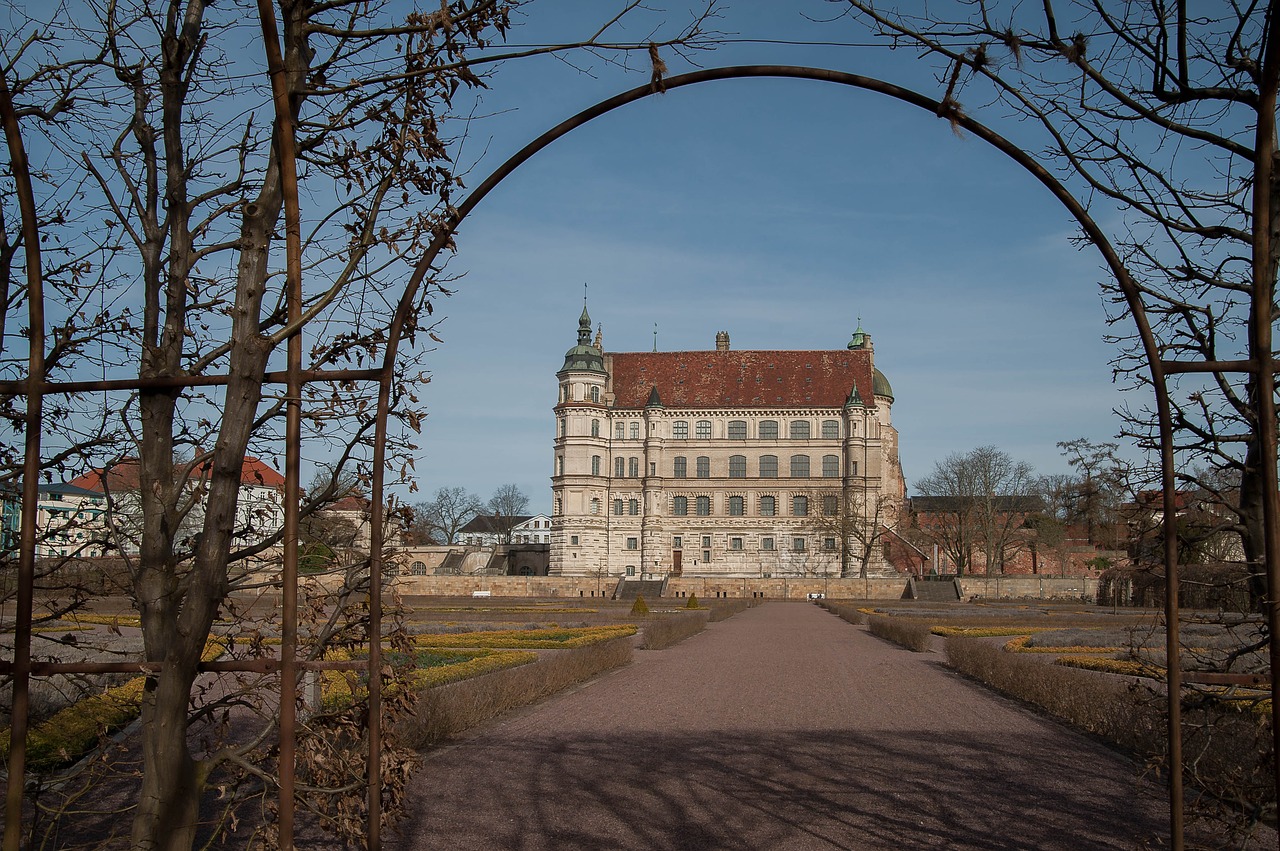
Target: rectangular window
(738, 430)
(829, 544)
(633, 543)
(766, 544)
(800, 506)
(635, 431)
(595, 465)
(704, 429)
(704, 467)
(617, 506)
(830, 428)
(704, 506)
(768, 466)
(680, 467)
(768, 506)
(619, 467)
(736, 506)
(633, 507)
(573, 540)
(797, 544)
(799, 429)
(706, 540)
(830, 505)
(677, 542)
(737, 466)
(853, 468)
(631, 570)
(680, 430)
(595, 428)
(706, 556)
(830, 466)
(768, 429)
(799, 466)
(633, 468)
(653, 468)
(680, 506)
(562, 426)
(735, 543)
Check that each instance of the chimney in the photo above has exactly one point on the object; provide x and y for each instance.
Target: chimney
(722, 341)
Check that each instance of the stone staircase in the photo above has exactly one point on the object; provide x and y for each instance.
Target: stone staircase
(937, 589)
(650, 589)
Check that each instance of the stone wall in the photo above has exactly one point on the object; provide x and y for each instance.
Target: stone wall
(996, 587)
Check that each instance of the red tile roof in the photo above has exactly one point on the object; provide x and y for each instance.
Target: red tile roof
(741, 379)
(124, 476)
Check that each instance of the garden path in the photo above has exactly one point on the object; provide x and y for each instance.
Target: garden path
(783, 727)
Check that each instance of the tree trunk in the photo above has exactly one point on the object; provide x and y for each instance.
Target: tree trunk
(169, 802)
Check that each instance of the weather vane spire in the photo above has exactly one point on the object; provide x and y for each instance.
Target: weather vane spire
(655, 336)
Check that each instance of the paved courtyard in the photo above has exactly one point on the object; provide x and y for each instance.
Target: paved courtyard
(781, 728)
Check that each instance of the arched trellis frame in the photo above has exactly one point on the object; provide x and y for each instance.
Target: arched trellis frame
(35, 388)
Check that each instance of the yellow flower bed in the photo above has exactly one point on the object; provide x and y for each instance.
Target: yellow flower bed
(1019, 645)
(337, 685)
(528, 639)
(74, 731)
(1125, 667)
(988, 631)
(134, 621)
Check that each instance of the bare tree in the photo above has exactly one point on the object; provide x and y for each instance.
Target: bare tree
(508, 507)
(441, 517)
(160, 215)
(1165, 121)
(856, 524)
(976, 500)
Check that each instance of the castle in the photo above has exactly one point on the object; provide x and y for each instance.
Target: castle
(723, 463)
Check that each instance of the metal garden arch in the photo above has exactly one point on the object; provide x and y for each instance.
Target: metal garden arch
(294, 377)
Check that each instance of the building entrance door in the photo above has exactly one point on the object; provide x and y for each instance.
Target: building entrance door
(675, 562)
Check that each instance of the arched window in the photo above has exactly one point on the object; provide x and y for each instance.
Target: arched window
(800, 506)
(635, 431)
(737, 466)
(595, 505)
(619, 467)
(830, 466)
(633, 507)
(633, 468)
(595, 393)
(680, 506)
(595, 465)
(768, 506)
(799, 466)
(736, 507)
(595, 428)
(680, 467)
(738, 430)
(680, 430)
(768, 429)
(768, 466)
(799, 429)
(830, 428)
(619, 431)
(418, 568)
(830, 505)
(617, 506)
(703, 506)
(704, 429)
(704, 467)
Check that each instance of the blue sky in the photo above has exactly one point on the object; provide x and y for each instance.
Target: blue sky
(780, 211)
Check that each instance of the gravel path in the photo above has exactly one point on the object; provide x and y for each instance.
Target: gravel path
(780, 728)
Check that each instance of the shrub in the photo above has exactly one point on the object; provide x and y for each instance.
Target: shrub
(550, 638)
(845, 611)
(665, 631)
(693, 602)
(726, 608)
(639, 607)
(447, 711)
(913, 635)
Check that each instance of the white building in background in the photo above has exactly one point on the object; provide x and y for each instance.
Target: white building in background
(716, 463)
(486, 530)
